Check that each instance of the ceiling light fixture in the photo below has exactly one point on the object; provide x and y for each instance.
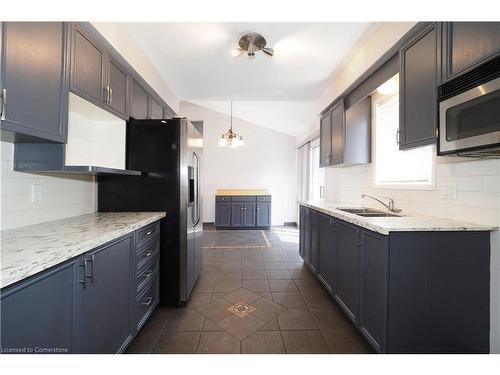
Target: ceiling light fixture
(251, 43)
(230, 138)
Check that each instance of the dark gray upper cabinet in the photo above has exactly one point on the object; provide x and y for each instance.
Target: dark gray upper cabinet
(117, 88)
(87, 67)
(357, 143)
(107, 292)
(41, 313)
(327, 246)
(338, 133)
(419, 78)
(156, 110)
(138, 101)
(263, 214)
(374, 288)
(347, 269)
(468, 44)
(325, 136)
(33, 67)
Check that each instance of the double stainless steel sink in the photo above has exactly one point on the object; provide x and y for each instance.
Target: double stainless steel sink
(368, 212)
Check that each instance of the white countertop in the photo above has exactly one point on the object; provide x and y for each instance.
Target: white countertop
(408, 222)
(28, 250)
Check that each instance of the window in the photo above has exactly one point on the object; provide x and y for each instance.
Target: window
(395, 169)
(317, 179)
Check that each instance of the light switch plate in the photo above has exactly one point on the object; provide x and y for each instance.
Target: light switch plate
(450, 191)
(36, 193)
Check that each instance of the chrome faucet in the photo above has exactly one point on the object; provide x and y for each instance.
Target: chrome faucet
(390, 205)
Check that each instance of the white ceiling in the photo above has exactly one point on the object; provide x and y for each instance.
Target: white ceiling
(195, 60)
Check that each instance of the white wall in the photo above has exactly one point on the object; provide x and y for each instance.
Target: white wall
(62, 196)
(117, 34)
(268, 161)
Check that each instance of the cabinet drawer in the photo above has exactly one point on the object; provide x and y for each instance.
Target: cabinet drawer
(147, 252)
(149, 231)
(263, 198)
(146, 303)
(147, 273)
(243, 198)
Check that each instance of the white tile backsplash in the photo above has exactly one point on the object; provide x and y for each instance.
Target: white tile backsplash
(477, 183)
(62, 195)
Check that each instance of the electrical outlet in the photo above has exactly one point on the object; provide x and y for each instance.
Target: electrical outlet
(36, 193)
(450, 191)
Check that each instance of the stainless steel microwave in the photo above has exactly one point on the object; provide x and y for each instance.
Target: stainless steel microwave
(469, 122)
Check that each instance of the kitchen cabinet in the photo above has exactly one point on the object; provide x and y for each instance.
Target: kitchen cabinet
(40, 313)
(87, 67)
(325, 136)
(33, 84)
(327, 247)
(467, 45)
(243, 211)
(118, 88)
(138, 101)
(338, 133)
(419, 78)
(107, 291)
(374, 288)
(404, 291)
(347, 269)
(93, 303)
(156, 110)
(314, 259)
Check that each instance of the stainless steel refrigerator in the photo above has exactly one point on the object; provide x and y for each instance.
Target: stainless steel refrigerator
(169, 155)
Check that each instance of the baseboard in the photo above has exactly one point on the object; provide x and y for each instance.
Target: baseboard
(290, 224)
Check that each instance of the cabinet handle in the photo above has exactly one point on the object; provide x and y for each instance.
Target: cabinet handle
(358, 234)
(4, 104)
(84, 280)
(149, 232)
(110, 96)
(150, 299)
(148, 274)
(148, 254)
(397, 136)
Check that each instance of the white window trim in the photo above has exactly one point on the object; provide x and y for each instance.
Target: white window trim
(403, 186)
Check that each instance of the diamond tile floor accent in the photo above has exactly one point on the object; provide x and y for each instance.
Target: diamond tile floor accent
(288, 309)
(241, 309)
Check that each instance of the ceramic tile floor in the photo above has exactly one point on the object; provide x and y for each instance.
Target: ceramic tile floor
(290, 311)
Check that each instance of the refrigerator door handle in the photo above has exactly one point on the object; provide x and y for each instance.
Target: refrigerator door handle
(196, 189)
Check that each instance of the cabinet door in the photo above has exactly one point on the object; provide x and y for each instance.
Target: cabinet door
(307, 236)
(237, 214)
(374, 288)
(338, 133)
(419, 79)
(358, 132)
(156, 110)
(87, 75)
(302, 227)
(468, 44)
(325, 140)
(327, 244)
(223, 214)
(263, 214)
(249, 215)
(138, 101)
(33, 71)
(314, 260)
(106, 298)
(118, 88)
(41, 313)
(347, 269)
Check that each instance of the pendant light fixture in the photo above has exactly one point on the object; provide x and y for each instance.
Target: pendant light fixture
(230, 138)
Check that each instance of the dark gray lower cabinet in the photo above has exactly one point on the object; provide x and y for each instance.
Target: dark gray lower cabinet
(106, 321)
(94, 303)
(406, 292)
(347, 269)
(242, 211)
(39, 315)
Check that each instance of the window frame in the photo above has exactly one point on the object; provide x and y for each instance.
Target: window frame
(431, 185)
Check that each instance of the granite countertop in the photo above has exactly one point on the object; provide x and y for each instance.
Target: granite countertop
(242, 192)
(28, 250)
(407, 222)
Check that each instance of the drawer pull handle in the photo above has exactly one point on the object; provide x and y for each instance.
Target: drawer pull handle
(149, 232)
(148, 254)
(148, 274)
(150, 299)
